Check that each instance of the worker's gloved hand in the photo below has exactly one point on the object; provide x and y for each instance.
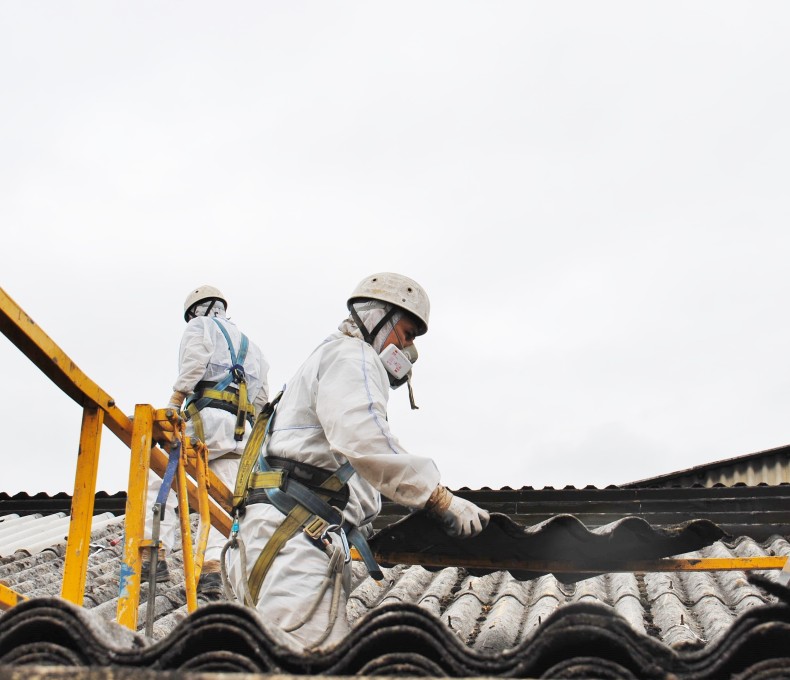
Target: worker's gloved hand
(461, 517)
(176, 400)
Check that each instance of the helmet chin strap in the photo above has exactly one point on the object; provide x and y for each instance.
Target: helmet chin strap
(193, 311)
(370, 336)
(210, 307)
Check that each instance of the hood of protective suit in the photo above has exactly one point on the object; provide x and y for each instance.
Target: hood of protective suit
(217, 310)
(371, 312)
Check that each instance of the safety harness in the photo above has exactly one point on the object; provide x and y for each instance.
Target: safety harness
(311, 498)
(221, 395)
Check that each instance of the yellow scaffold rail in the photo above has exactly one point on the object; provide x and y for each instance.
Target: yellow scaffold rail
(9, 598)
(166, 423)
(99, 409)
(665, 564)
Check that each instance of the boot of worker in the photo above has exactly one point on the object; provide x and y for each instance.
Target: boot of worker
(162, 572)
(209, 585)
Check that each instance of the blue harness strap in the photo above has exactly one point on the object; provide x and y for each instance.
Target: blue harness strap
(295, 493)
(167, 478)
(236, 370)
(237, 362)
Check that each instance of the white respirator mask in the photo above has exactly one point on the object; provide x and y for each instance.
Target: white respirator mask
(398, 363)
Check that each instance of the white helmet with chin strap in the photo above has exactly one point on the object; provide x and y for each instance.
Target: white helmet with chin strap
(202, 294)
(397, 290)
(400, 294)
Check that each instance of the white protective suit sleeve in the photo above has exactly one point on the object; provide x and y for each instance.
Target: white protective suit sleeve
(351, 407)
(197, 347)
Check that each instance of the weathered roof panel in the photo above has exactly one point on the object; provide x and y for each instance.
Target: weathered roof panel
(562, 538)
(583, 639)
(452, 621)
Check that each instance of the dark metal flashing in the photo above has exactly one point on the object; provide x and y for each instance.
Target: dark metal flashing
(755, 511)
(758, 512)
(42, 503)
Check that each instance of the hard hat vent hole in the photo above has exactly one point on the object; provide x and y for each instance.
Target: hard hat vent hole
(409, 289)
(374, 279)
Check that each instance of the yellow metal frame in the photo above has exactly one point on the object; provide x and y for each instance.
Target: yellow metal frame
(99, 409)
(9, 598)
(665, 564)
(152, 426)
(166, 426)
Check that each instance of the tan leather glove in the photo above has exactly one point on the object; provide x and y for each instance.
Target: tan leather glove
(176, 399)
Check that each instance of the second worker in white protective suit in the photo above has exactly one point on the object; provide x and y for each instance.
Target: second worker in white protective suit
(204, 361)
(334, 413)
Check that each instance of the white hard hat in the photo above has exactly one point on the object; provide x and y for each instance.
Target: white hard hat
(201, 294)
(398, 290)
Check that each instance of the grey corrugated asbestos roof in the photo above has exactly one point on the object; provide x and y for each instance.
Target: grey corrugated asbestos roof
(491, 612)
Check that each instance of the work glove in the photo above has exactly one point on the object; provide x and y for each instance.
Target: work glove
(176, 400)
(459, 516)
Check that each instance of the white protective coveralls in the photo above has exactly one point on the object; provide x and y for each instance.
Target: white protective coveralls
(333, 410)
(204, 356)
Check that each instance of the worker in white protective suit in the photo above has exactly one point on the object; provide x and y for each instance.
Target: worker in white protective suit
(334, 413)
(214, 359)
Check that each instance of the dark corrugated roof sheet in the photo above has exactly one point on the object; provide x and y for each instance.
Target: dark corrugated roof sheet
(495, 611)
(580, 640)
(562, 538)
(445, 621)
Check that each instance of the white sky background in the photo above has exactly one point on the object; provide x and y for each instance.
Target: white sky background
(594, 195)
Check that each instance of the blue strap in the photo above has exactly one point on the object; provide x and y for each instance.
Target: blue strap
(242, 348)
(297, 494)
(236, 370)
(236, 361)
(170, 471)
(356, 539)
(227, 339)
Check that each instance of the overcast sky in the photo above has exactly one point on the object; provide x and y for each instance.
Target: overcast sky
(594, 195)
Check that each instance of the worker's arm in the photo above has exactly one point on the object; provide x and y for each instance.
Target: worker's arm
(197, 346)
(351, 406)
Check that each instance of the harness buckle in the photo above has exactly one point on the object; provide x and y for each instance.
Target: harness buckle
(317, 528)
(238, 373)
(338, 529)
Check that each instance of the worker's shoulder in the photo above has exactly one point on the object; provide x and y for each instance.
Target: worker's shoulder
(339, 347)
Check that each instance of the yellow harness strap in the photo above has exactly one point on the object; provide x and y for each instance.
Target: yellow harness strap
(251, 451)
(243, 407)
(299, 518)
(194, 415)
(230, 397)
